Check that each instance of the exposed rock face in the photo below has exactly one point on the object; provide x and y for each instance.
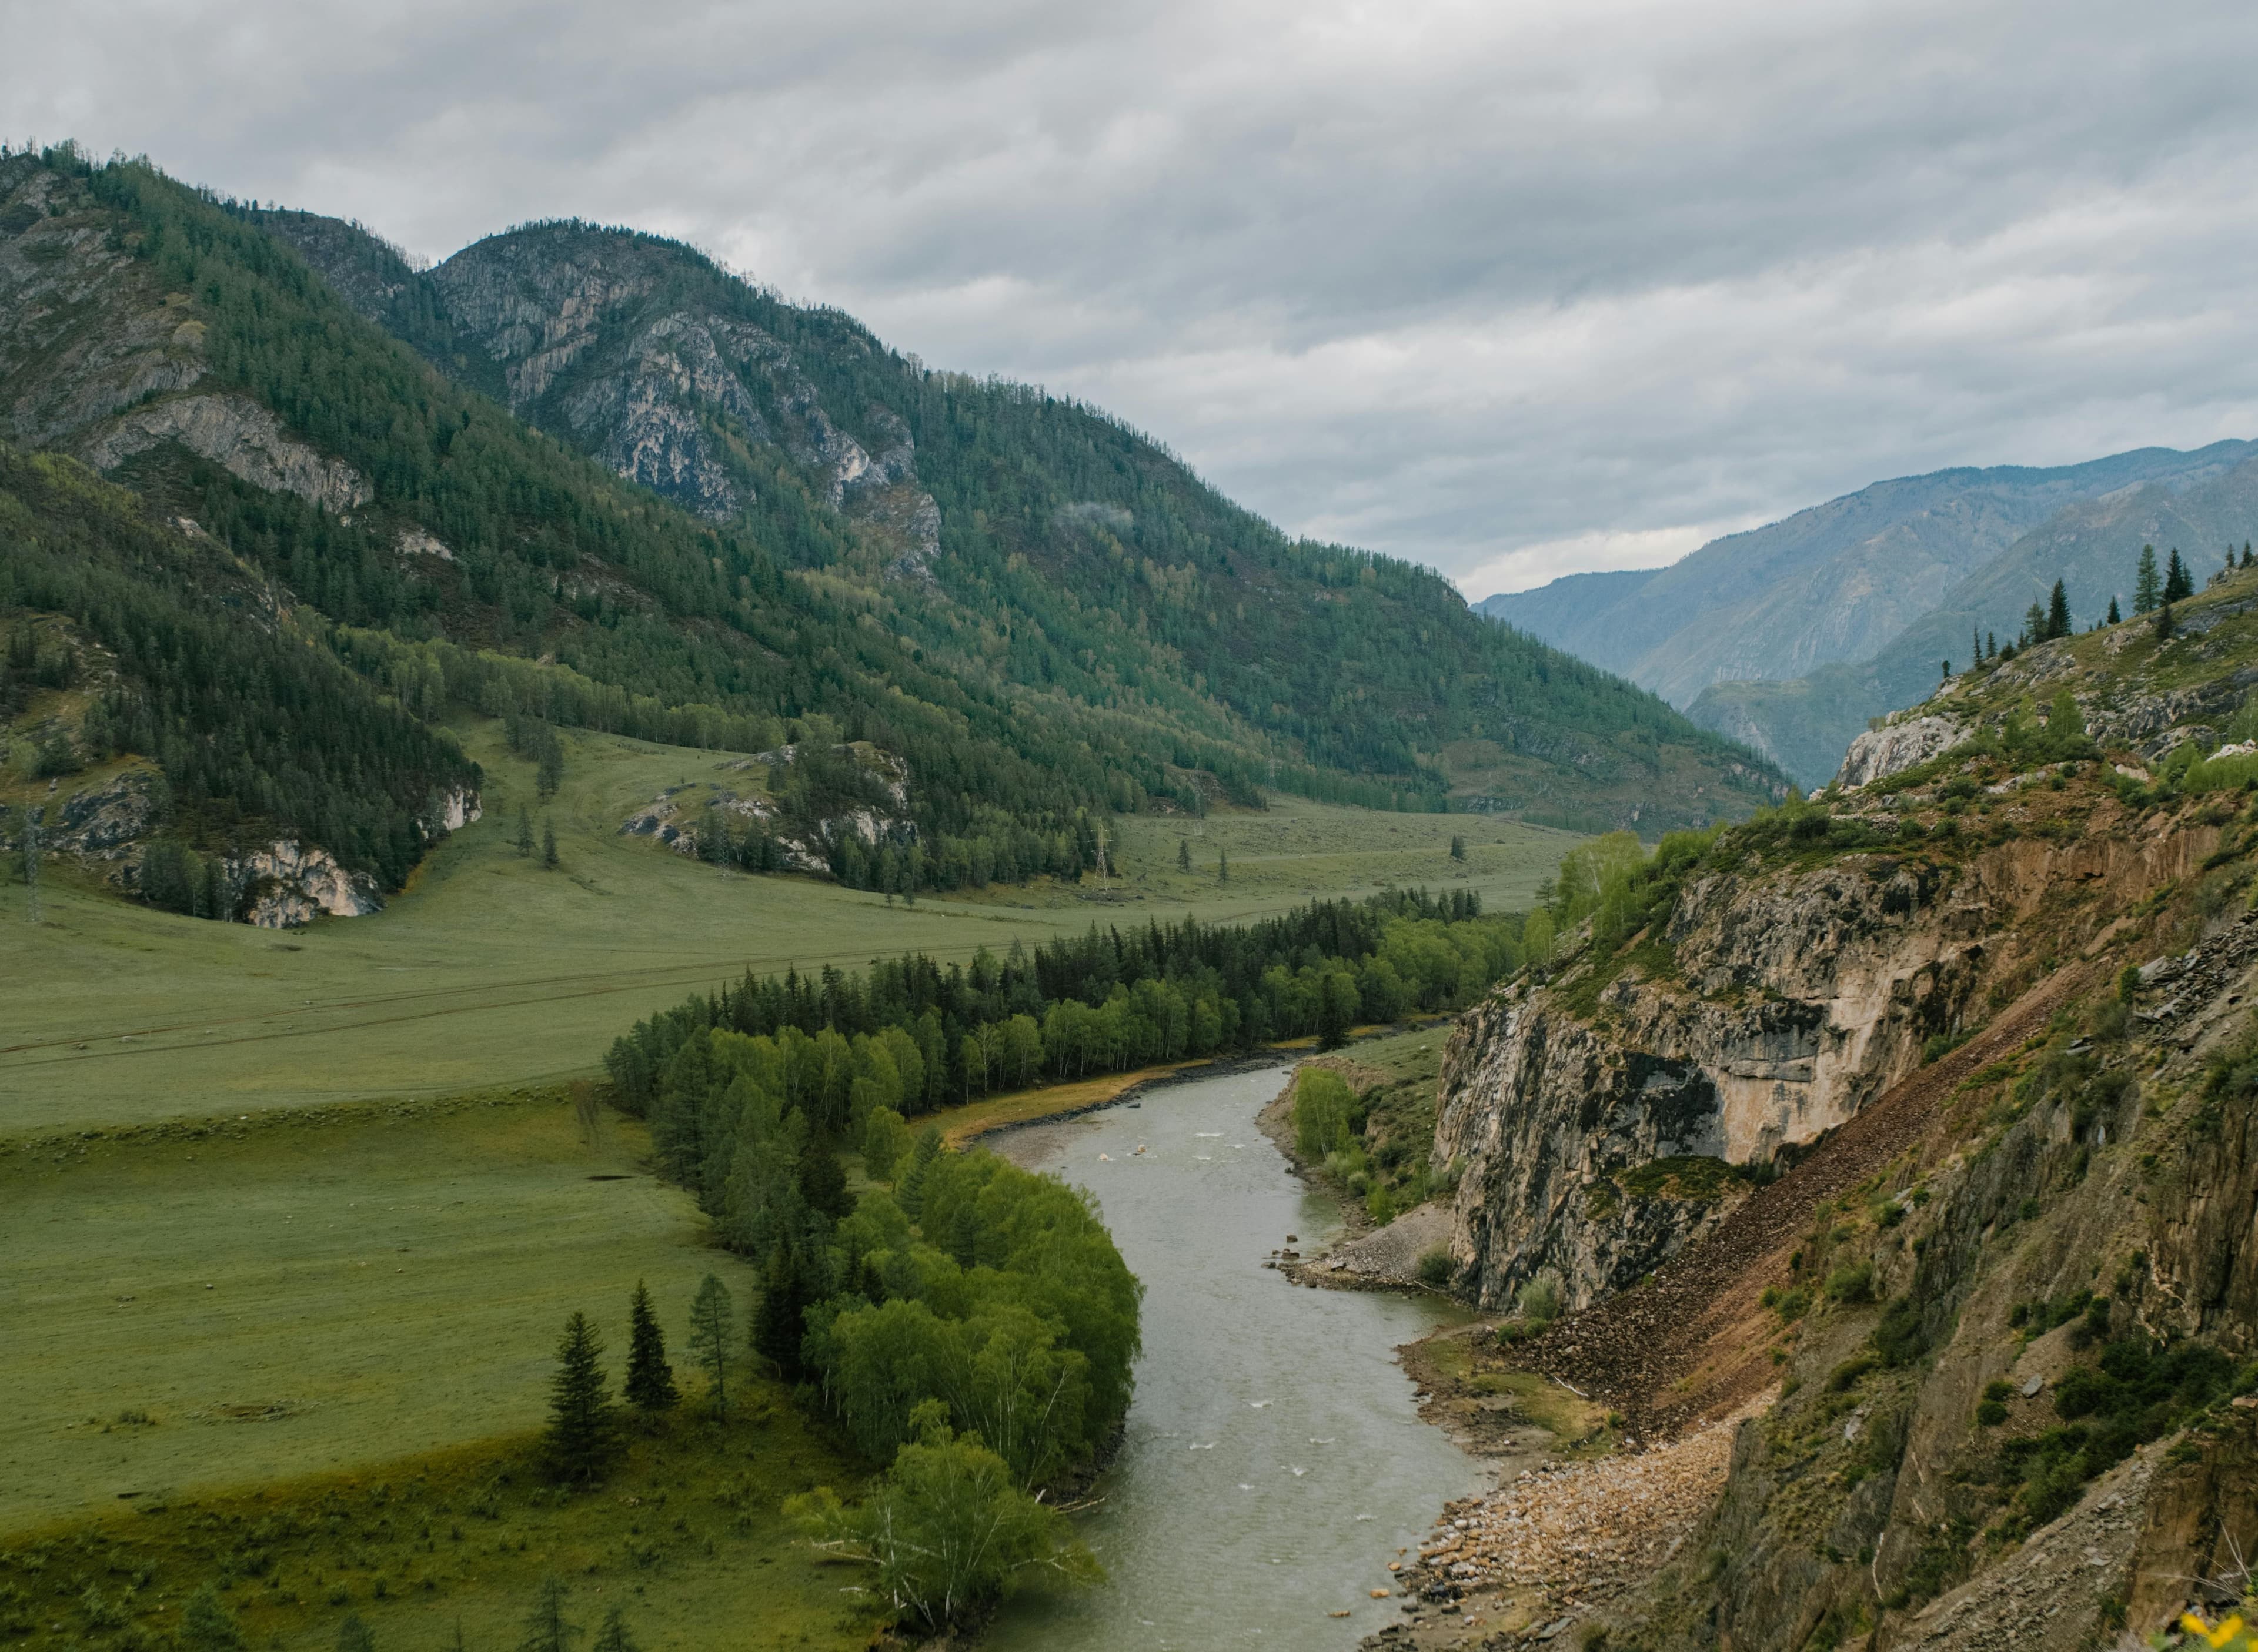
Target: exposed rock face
(1796, 999)
(237, 433)
(651, 399)
(455, 810)
(98, 822)
(290, 885)
(84, 331)
(1896, 747)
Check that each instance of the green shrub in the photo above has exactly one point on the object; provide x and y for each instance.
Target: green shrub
(1991, 1414)
(1539, 1300)
(1851, 1283)
(1322, 1101)
(1435, 1267)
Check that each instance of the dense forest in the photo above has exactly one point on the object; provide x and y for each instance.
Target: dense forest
(182, 661)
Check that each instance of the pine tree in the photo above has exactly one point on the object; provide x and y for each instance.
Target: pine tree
(712, 1315)
(1944, 668)
(2058, 611)
(1975, 646)
(780, 1320)
(2246, 553)
(614, 1636)
(1184, 854)
(2179, 585)
(2163, 622)
(2034, 625)
(353, 1636)
(2115, 618)
(547, 1629)
(1222, 866)
(206, 1627)
(549, 844)
(580, 1435)
(1457, 848)
(1992, 639)
(2147, 589)
(650, 1381)
(524, 832)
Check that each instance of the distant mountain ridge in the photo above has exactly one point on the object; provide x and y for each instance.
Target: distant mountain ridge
(1833, 583)
(1789, 637)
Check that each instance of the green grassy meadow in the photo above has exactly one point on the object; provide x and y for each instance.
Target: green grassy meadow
(305, 1291)
(490, 970)
(295, 1218)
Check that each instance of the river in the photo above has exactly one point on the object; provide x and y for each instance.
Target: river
(1273, 1461)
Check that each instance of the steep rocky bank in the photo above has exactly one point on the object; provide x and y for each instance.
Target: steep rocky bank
(1931, 1110)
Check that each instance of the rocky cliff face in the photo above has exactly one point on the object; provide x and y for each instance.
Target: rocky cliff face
(613, 338)
(1774, 1008)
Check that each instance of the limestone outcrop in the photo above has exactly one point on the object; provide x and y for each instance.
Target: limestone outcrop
(243, 438)
(1896, 747)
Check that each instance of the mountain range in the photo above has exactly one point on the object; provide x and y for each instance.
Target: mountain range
(1790, 637)
(577, 473)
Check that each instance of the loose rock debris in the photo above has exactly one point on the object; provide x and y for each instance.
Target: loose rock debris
(1525, 1562)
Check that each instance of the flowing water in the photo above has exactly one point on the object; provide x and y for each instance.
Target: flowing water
(1273, 1462)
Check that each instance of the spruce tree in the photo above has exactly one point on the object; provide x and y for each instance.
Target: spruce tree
(614, 1636)
(2163, 622)
(1975, 646)
(547, 1629)
(1184, 854)
(549, 844)
(650, 1381)
(712, 1315)
(580, 1437)
(524, 832)
(2179, 585)
(1992, 639)
(353, 1636)
(2058, 611)
(2034, 625)
(1457, 848)
(1222, 866)
(2115, 618)
(780, 1320)
(2147, 589)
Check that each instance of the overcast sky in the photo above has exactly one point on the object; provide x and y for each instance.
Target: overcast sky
(1512, 289)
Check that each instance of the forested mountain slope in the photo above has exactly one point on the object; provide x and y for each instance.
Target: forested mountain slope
(1069, 553)
(728, 522)
(2092, 547)
(1831, 584)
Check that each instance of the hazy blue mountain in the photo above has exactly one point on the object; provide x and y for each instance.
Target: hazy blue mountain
(1833, 584)
(2092, 547)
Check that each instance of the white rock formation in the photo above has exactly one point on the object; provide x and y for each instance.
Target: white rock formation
(236, 434)
(1885, 751)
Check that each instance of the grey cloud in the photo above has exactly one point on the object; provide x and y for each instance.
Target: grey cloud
(1503, 289)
